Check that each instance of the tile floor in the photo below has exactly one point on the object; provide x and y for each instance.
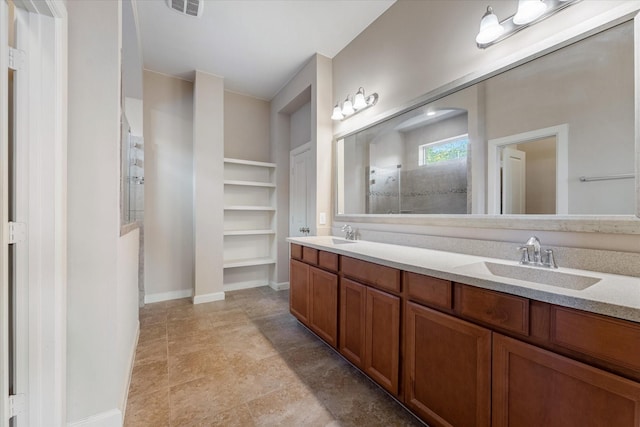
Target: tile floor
(246, 361)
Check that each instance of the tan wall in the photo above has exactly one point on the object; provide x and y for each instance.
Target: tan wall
(246, 127)
(168, 204)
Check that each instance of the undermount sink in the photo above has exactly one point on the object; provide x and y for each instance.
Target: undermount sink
(341, 241)
(531, 274)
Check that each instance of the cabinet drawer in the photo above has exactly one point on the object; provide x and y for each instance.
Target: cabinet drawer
(429, 290)
(328, 260)
(296, 251)
(612, 340)
(374, 274)
(310, 255)
(508, 312)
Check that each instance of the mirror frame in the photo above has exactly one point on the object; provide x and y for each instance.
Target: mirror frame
(617, 224)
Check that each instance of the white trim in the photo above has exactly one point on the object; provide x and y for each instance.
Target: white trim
(215, 296)
(4, 141)
(561, 132)
(244, 285)
(111, 418)
(132, 359)
(282, 286)
(167, 296)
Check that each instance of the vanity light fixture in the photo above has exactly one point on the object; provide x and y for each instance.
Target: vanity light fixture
(529, 12)
(360, 102)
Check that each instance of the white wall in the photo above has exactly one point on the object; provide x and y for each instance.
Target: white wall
(134, 112)
(411, 50)
(316, 77)
(300, 132)
(168, 204)
(246, 127)
(208, 192)
(102, 266)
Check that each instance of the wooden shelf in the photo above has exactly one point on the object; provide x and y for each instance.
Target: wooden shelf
(249, 163)
(248, 232)
(250, 183)
(248, 262)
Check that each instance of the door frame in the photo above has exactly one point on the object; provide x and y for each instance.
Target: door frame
(46, 147)
(292, 154)
(561, 133)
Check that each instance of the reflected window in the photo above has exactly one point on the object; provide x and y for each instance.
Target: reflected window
(443, 150)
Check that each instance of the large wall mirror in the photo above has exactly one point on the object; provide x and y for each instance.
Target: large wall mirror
(552, 136)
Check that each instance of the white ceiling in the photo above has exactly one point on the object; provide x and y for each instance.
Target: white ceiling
(256, 45)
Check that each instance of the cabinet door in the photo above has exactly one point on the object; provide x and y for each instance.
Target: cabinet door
(353, 301)
(532, 385)
(448, 369)
(323, 316)
(382, 343)
(299, 290)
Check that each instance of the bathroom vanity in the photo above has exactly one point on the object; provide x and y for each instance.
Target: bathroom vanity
(464, 340)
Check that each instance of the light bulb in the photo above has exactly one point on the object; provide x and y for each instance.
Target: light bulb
(347, 107)
(490, 28)
(359, 101)
(528, 11)
(337, 113)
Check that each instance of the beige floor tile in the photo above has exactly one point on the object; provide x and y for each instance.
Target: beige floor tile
(198, 400)
(231, 317)
(152, 332)
(191, 366)
(148, 410)
(189, 326)
(151, 351)
(262, 377)
(190, 343)
(290, 406)
(149, 378)
(153, 318)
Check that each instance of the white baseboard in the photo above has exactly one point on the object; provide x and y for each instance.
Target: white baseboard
(279, 286)
(111, 418)
(127, 383)
(244, 285)
(167, 296)
(215, 296)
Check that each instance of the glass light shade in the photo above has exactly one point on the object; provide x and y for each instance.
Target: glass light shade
(529, 11)
(347, 107)
(490, 28)
(337, 113)
(359, 101)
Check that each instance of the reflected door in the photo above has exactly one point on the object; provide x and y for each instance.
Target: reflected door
(513, 181)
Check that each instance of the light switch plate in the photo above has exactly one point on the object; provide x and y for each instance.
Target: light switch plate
(323, 218)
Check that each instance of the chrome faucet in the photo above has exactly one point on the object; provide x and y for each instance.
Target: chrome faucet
(349, 232)
(533, 244)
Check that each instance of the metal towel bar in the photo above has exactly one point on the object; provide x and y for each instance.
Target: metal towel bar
(606, 177)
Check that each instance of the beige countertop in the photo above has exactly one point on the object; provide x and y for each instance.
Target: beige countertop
(612, 295)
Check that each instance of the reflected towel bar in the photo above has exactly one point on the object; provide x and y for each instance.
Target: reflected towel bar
(607, 177)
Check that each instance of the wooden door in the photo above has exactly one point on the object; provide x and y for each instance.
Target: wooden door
(299, 290)
(382, 339)
(353, 301)
(323, 315)
(532, 386)
(448, 369)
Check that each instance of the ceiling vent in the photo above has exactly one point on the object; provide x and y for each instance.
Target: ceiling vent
(187, 7)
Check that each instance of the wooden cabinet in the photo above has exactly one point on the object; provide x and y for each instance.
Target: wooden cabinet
(299, 290)
(313, 299)
(323, 316)
(458, 366)
(532, 385)
(370, 332)
(447, 368)
(353, 302)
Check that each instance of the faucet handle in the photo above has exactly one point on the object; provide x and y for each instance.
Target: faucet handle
(524, 259)
(550, 260)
